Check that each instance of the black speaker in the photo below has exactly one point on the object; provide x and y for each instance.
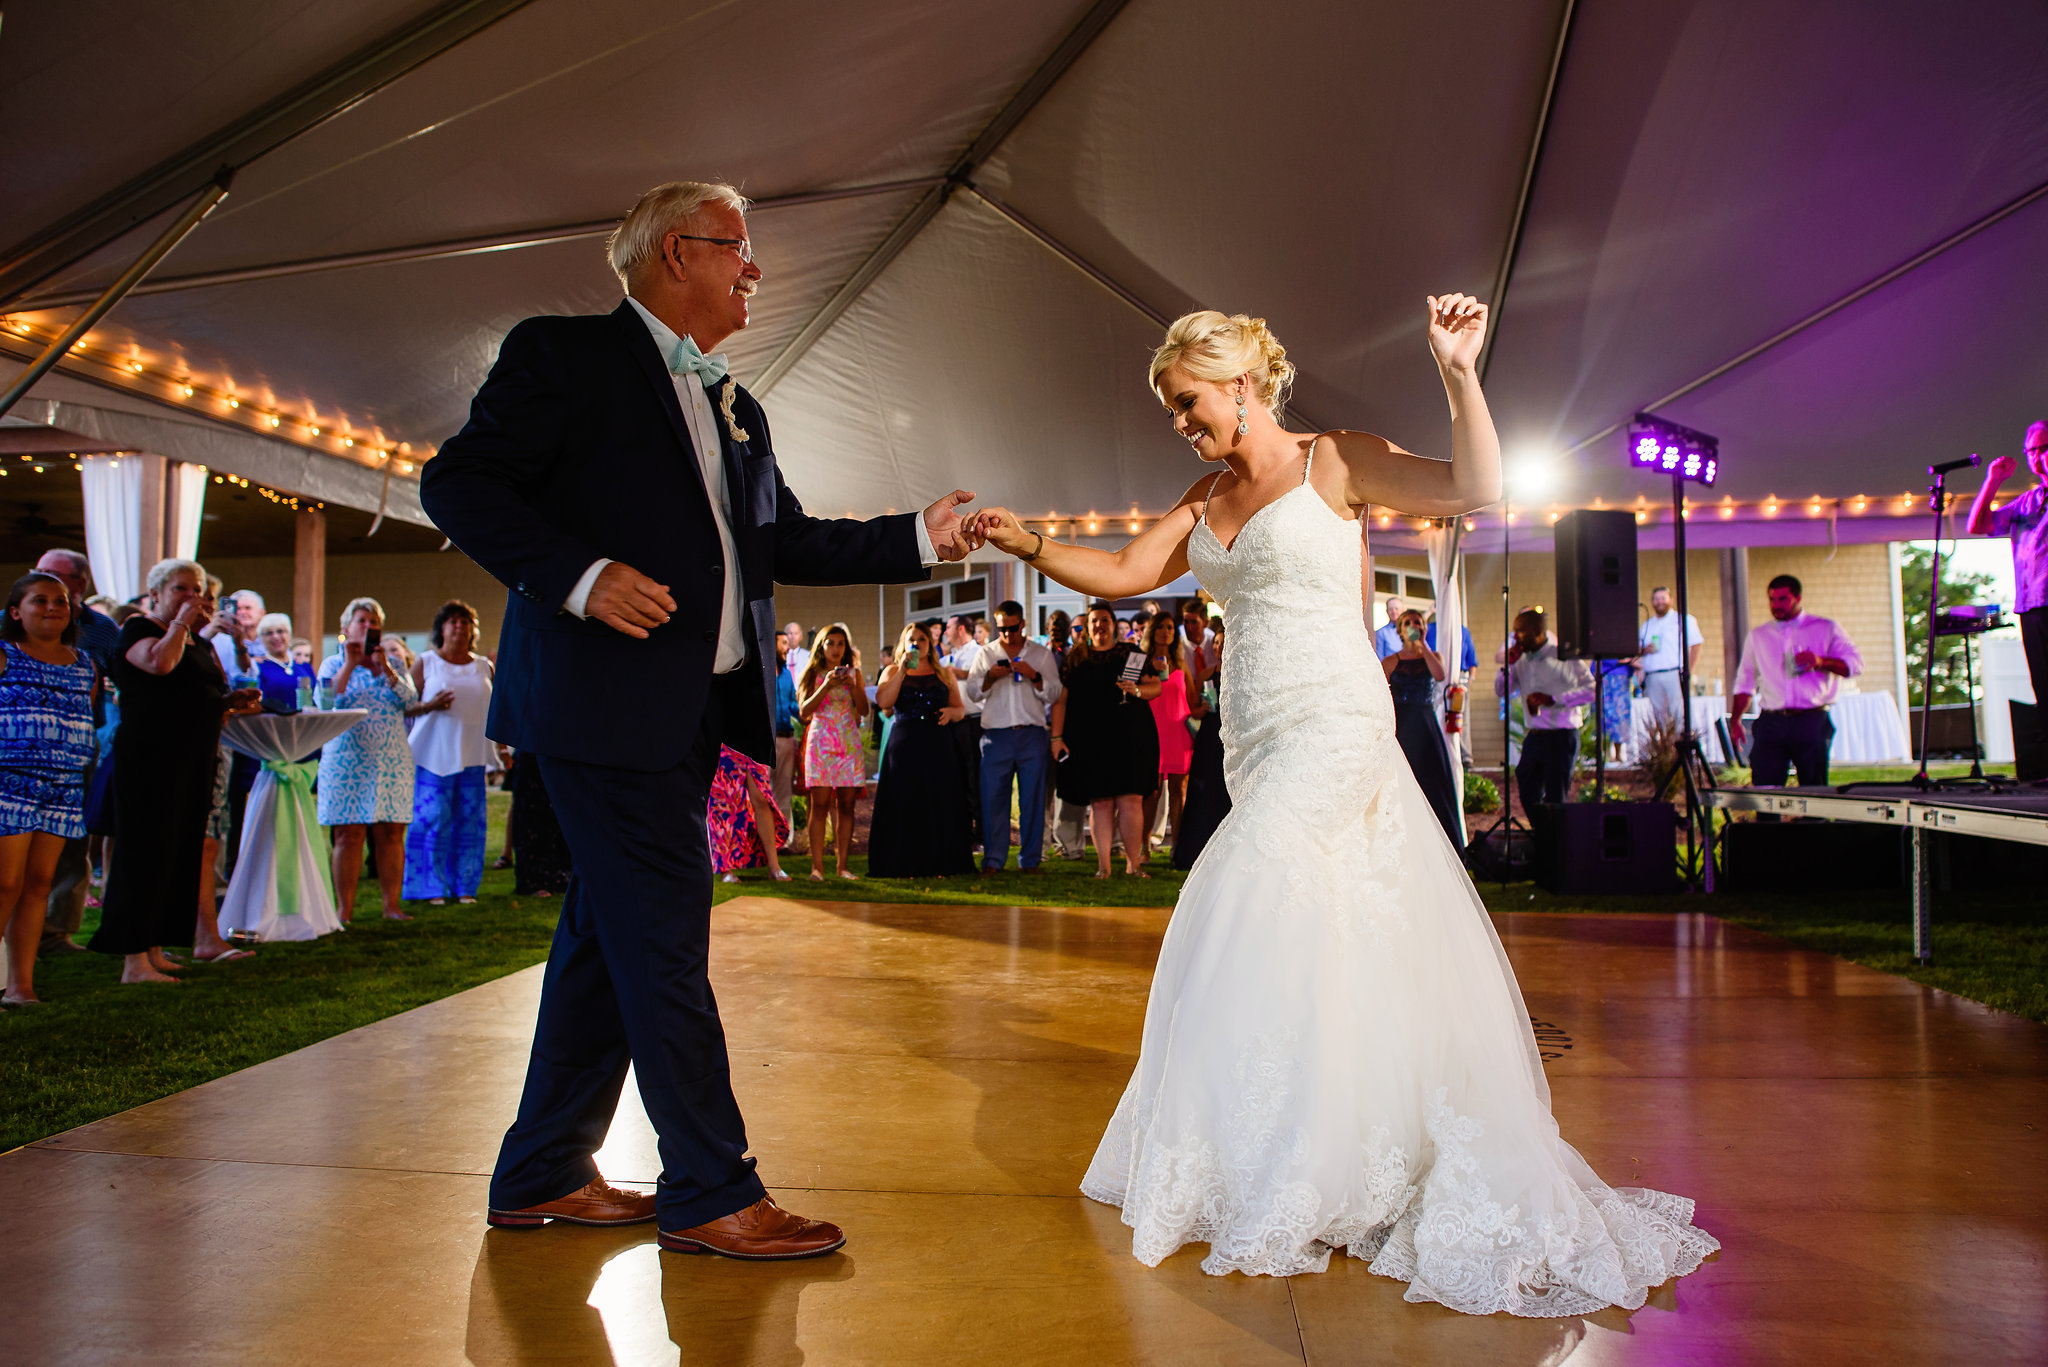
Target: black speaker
(1596, 585)
(1607, 847)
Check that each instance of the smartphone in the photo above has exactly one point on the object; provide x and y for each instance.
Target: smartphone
(372, 639)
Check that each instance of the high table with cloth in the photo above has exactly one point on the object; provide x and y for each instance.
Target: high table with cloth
(281, 889)
(1868, 729)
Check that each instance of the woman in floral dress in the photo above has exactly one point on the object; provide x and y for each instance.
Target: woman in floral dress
(741, 811)
(832, 700)
(366, 774)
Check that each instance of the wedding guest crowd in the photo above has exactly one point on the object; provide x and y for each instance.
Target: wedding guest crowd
(745, 826)
(788, 748)
(1172, 709)
(1658, 664)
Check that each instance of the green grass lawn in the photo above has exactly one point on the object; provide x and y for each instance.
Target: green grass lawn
(99, 1047)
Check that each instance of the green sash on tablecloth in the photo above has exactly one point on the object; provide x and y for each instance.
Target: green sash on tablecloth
(297, 819)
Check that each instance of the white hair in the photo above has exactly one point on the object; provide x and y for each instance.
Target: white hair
(355, 605)
(160, 573)
(250, 594)
(273, 619)
(637, 239)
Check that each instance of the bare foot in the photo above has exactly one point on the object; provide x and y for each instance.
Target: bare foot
(163, 963)
(396, 916)
(146, 974)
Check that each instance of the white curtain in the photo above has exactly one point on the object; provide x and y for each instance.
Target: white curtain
(188, 486)
(113, 525)
(1445, 560)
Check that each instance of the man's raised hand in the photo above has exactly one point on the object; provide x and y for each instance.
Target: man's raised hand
(953, 536)
(628, 601)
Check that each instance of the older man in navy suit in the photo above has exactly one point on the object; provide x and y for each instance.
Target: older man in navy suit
(624, 487)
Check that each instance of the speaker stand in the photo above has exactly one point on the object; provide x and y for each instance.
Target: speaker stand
(1506, 825)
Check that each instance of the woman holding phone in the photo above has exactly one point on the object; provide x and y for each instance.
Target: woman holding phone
(1411, 674)
(1105, 743)
(366, 773)
(922, 827)
(832, 700)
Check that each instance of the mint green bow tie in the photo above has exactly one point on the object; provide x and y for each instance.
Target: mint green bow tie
(687, 359)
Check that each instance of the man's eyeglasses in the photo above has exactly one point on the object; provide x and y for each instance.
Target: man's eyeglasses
(738, 244)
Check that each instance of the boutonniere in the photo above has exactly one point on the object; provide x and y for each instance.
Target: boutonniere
(726, 393)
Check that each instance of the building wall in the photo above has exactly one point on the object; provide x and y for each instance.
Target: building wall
(1855, 589)
(411, 587)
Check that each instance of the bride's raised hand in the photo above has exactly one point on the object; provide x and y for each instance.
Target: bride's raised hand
(1001, 529)
(1457, 329)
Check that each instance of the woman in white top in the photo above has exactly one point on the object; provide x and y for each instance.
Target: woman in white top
(444, 847)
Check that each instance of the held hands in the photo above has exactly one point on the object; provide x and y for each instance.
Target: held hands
(628, 601)
(953, 535)
(1000, 528)
(1457, 328)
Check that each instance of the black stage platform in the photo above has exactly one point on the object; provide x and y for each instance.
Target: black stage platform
(2019, 815)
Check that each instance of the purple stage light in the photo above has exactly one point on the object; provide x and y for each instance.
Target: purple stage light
(1666, 447)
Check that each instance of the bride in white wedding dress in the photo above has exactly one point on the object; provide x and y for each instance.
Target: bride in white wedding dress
(1335, 1052)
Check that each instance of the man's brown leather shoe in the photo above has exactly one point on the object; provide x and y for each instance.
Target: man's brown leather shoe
(761, 1232)
(600, 1203)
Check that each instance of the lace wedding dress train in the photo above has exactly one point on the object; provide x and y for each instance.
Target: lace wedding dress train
(1335, 1052)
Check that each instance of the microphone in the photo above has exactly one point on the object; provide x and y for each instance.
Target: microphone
(1948, 465)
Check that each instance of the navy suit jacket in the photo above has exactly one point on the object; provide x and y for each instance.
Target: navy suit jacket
(576, 449)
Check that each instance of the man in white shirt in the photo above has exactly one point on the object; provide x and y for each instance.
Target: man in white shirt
(1658, 664)
(1387, 640)
(1792, 665)
(799, 656)
(248, 610)
(1554, 693)
(1013, 680)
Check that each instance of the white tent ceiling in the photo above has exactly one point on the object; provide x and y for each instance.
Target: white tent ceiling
(1709, 174)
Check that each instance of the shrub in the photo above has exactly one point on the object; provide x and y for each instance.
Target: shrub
(1480, 794)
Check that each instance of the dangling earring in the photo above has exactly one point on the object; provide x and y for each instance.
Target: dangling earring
(1243, 427)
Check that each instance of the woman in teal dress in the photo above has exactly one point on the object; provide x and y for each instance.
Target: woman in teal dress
(366, 774)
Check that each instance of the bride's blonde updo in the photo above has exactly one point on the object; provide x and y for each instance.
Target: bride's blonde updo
(1219, 347)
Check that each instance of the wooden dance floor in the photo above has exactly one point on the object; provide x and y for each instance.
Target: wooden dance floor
(1871, 1153)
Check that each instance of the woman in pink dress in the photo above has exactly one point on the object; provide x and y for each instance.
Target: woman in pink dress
(740, 811)
(832, 701)
(1170, 711)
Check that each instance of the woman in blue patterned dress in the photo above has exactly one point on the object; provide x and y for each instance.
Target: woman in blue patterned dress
(46, 741)
(366, 774)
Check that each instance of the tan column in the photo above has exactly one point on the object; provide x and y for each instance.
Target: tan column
(309, 578)
(1734, 610)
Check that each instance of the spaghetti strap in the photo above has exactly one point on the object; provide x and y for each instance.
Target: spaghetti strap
(1208, 494)
(1309, 464)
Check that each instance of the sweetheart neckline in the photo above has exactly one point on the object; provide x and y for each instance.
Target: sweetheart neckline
(1203, 520)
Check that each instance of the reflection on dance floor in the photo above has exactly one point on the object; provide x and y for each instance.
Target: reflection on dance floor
(935, 1078)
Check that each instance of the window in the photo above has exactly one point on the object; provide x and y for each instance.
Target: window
(927, 599)
(962, 592)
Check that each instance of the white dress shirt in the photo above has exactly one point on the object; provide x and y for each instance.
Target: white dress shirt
(1569, 683)
(962, 661)
(1015, 700)
(1659, 640)
(703, 420)
(1770, 673)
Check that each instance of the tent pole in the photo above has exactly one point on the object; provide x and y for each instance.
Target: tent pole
(114, 293)
(1954, 239)
(446, 247)
(980, 150)
(306, 106)
(1505, 272)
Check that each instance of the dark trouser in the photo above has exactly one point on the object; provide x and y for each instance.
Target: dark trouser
(1023, 753)
(626, 983)
(1787, 740)
(966, 735)
(2034, 640)
(1545, 768)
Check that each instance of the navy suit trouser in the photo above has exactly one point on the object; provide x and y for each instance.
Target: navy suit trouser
(627, 983)
(1021, 754)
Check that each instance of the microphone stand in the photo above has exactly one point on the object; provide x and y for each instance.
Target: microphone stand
(1506, 824)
